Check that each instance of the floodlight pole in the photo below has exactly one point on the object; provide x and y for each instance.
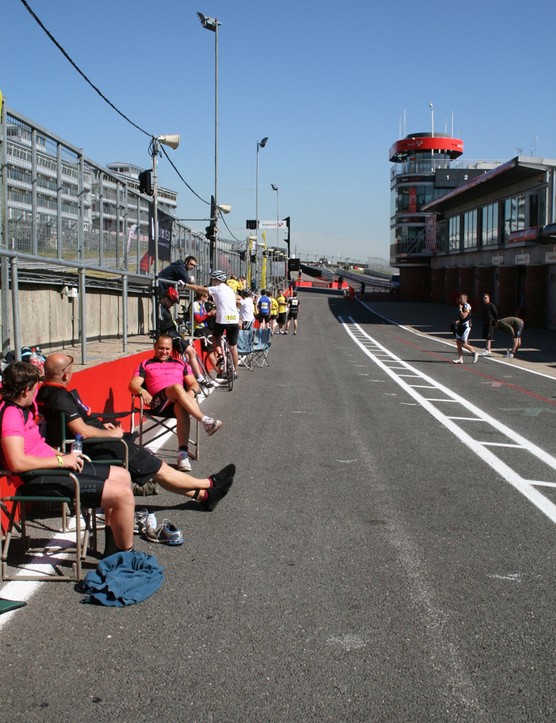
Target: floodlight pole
(212, 25)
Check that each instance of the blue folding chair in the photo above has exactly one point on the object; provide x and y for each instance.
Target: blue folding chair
(245, 348)
(261, 347)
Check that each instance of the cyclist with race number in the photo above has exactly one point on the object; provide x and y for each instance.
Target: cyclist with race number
(227, 315)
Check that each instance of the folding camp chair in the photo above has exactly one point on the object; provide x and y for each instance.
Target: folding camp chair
(261, 347)
(245, 348)
(143, 421)
(15, 508)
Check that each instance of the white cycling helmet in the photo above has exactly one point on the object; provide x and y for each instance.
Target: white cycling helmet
(218, 275)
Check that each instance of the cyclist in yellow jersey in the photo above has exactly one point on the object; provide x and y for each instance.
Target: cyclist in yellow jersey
(273, 313)
(282, 311)
(233, 283)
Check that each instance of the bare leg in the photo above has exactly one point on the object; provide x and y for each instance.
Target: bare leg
(177, 394)
(183, 425)
(179, 482)
(117, 497)
(233, 349)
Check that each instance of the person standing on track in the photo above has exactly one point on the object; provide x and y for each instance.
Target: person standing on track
(227, 314)
(490, 315)
(463, 331)
(293, 310)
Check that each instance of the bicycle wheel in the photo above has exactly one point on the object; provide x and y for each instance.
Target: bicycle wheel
(229, 369)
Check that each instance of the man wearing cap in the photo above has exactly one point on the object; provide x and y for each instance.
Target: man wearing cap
(227, 314)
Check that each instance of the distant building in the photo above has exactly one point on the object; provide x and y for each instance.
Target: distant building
(474, 227)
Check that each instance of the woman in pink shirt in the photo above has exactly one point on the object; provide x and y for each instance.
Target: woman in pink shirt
(24, 451)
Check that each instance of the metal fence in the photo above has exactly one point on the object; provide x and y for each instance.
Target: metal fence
(62, 211)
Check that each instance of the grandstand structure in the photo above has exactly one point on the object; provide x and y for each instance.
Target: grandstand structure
(75, 235)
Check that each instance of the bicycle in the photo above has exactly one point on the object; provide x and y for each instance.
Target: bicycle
(226, 364)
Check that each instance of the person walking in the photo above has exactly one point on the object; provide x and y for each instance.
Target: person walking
(463, 330)
(490, 315)
(293, 310)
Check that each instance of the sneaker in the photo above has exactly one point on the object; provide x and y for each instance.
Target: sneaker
(294, 333)
(475, 357)
(166, 533)
(184, 465)
(457, 361)
(144, 520)
(222, 482)
(485, 353)
(211, 426)
(235, 375)
(71, 522)
(206, 383)
(509, 355)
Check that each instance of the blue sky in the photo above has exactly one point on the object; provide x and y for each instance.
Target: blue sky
(328, 83)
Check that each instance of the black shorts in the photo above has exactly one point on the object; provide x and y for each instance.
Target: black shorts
(263, 318)
(488, 331)
(282, 317)
(204, 335)
(91, 484)
(232, 332)
(142, 463)
(160, 405)
(179, 344)
(292, 316)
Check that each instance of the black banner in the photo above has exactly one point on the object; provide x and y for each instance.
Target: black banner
(164, 234)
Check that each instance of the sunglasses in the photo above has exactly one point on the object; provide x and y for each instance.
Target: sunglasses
(67, 365)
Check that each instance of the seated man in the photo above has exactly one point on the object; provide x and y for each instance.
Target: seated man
(24, 450)
(54, 398)
(166, 324)
(160, 381)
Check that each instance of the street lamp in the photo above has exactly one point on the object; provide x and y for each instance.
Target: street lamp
(172, 141)
(260, 144)
(275, 188)
(212, 25)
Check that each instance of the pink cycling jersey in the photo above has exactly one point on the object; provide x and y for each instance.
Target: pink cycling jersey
(161, 374)
(19, 422)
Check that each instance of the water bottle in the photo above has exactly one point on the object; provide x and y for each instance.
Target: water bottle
(34, 357)
(77, 444)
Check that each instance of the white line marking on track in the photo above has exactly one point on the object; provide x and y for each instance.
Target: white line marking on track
(480, 449)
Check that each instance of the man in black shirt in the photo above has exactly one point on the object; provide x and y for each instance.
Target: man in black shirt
(179, 271)
(54, 398)
(490, 315)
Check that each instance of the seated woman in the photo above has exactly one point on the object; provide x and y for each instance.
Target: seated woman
(24, 450)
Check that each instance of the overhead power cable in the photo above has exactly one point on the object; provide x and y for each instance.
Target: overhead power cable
(81, 73)
(100, 93)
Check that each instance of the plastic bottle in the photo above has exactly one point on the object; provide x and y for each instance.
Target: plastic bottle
(34, 357)
(77, 444)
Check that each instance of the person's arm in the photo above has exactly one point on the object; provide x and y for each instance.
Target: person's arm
(464, 310)
(198, 289)
(136, 387)
(13, 449)
(79, 426)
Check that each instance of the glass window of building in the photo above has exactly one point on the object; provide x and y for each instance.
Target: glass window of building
(489, 231)
(470, 229)
(453, 234)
